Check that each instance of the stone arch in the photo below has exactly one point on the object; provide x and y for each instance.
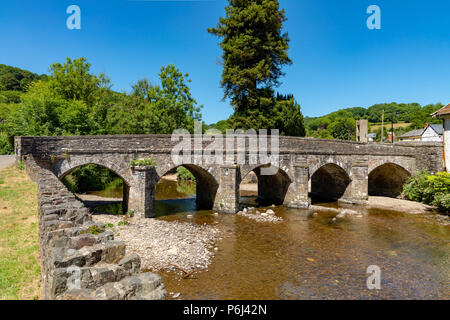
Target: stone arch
(65, 167)
(329, 182)
(344, 165)
(272, 188)
(387, 180)
(206, 185)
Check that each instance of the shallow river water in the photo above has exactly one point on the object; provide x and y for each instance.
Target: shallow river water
(310, 256)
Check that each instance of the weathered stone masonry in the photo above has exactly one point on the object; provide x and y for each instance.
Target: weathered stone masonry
(342, 170)
(69, 251)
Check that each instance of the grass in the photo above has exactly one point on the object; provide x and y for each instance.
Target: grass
(93, 230)
(19, 241)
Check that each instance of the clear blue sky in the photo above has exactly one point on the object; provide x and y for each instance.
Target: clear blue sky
(338, 61)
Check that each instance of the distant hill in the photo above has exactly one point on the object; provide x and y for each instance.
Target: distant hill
(340, 124)
(15, 79)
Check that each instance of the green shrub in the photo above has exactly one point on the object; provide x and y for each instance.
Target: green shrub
(123, 223)
(184, 174)
(93, 230)
(143, 162)
(6, 145)
(91, 177)
(430, 189)
(442, 201)
(109, 225)
(415, 186)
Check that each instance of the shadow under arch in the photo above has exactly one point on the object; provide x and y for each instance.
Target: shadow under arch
(329, 183)
(273, 184)
(94, 203)
(387, 180)
(206, 185)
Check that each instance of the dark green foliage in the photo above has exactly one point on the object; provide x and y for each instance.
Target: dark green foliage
(254, 52)
(115, 209)
(73, 101)
(16, 79)
(281, 112)
(430, 189)
(442, 201)
(10, 96)
(333, 125)
(343, 129)
(90, 178)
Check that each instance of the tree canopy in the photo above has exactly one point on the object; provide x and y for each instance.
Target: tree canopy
(74, 101)
(254, 50)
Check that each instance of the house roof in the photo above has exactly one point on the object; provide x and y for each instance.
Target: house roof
(412, 133)
(437, 127)
(418, 132)
(443, 111)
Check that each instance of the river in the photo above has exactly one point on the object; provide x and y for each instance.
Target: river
(310, 256)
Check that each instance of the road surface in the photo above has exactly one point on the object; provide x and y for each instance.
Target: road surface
(6, 161)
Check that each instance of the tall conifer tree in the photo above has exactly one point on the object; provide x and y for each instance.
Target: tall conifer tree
(254, 52)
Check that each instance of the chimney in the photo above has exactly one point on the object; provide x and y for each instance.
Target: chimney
(426, 125)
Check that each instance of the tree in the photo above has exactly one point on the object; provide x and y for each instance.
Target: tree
(254, 52)
(9, 82)
(72, 80)
(343, 128)
(156, 108)
(73, 101)
(289, 118)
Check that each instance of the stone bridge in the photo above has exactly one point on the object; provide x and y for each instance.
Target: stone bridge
(330, 169)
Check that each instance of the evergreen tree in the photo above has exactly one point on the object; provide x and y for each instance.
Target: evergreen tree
(254, 52)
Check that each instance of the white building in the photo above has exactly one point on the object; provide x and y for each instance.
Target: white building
(431, 132)
(444, 114)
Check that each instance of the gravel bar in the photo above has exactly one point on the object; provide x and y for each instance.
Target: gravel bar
(166, 245)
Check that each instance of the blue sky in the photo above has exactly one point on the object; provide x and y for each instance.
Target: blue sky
(338, 61)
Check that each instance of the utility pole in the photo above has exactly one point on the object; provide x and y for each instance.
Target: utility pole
(382, 126)
(392, 130)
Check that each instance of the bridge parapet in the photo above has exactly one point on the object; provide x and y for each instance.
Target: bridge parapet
(306, 165)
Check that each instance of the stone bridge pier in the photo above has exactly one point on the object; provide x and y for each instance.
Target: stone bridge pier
(308, 169)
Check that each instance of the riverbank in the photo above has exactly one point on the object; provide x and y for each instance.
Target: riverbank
(400, 205)
(165, 245)
(19, 240)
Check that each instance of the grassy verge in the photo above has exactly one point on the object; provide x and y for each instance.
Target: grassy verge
(19, 241)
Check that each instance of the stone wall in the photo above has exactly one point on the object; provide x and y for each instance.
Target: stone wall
(79, 259)
(218, 183)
